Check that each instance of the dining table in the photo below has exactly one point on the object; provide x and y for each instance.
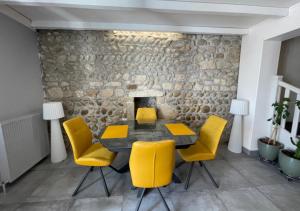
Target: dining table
(147, 131)
(133, 130)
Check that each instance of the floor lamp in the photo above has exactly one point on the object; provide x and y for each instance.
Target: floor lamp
(54, 111)
(239, 108)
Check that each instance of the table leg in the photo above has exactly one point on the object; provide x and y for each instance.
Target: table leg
(3, 187)
(140, 192)
(123, 169)
(176, 179)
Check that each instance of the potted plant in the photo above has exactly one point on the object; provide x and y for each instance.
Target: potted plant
(289, 161)
(268, 148)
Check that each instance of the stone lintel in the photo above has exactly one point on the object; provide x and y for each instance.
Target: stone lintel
(146, 93)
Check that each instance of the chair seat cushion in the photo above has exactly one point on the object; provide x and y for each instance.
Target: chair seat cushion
(196, 152)
(96, 155)
(146, 115)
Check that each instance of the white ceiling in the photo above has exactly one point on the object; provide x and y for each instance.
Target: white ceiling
(135, 16)
(263, 3)
(191, 16)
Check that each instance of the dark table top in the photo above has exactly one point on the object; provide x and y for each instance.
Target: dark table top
(146, 132)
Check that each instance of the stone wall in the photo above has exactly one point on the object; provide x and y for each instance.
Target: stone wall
(94, 73)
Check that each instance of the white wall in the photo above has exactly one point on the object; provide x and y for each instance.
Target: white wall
(265, 92)
(20, 74)
(258, 66)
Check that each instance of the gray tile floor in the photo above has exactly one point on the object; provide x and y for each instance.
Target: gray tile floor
(245, 184)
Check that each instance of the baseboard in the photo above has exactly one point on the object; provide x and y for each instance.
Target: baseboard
(253, 153)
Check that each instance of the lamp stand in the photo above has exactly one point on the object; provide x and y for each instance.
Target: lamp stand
(58, 149)
(236, 136)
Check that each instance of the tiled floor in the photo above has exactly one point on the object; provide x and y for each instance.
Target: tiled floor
(245, 184)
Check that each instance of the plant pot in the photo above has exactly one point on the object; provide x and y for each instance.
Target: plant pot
(268, 151)
(288, 164)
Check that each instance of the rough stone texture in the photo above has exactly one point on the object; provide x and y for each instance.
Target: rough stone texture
(94, 72)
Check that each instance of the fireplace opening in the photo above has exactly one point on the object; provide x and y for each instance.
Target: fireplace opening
(142, 102)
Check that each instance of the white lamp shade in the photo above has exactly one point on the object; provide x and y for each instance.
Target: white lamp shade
(53, 110)
(239, 107)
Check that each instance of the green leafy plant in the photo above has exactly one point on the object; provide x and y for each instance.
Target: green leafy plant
(297, 151)
(298, 103)
(280, 112)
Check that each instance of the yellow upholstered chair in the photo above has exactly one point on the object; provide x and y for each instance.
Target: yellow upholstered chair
(146, 115)
(151, 165)
(206, 146)
(85, 152)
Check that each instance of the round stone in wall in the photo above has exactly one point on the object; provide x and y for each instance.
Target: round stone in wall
(205, 109)
(55, 92)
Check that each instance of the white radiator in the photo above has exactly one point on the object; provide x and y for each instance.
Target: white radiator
(23, 143)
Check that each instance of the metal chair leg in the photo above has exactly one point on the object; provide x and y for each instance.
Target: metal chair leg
(162, 197)
(200, 164)
(140, 200)
(104, 183)
(81, 181)
(189, 176)
(210, 176)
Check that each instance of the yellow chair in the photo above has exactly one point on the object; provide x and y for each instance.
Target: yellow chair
(151, 165)
(146, 115)
(85, 152)
(206, 146)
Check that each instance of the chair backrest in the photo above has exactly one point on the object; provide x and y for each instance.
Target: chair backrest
(211, 132)
(152, 163)
(79, 135)
(146, 114)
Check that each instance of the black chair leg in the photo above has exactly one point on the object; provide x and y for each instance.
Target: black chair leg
(81, 181)
(140, 200)
(210, 176)
(189, 176)
(200, 164)
(162, 197)
(104, 183)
